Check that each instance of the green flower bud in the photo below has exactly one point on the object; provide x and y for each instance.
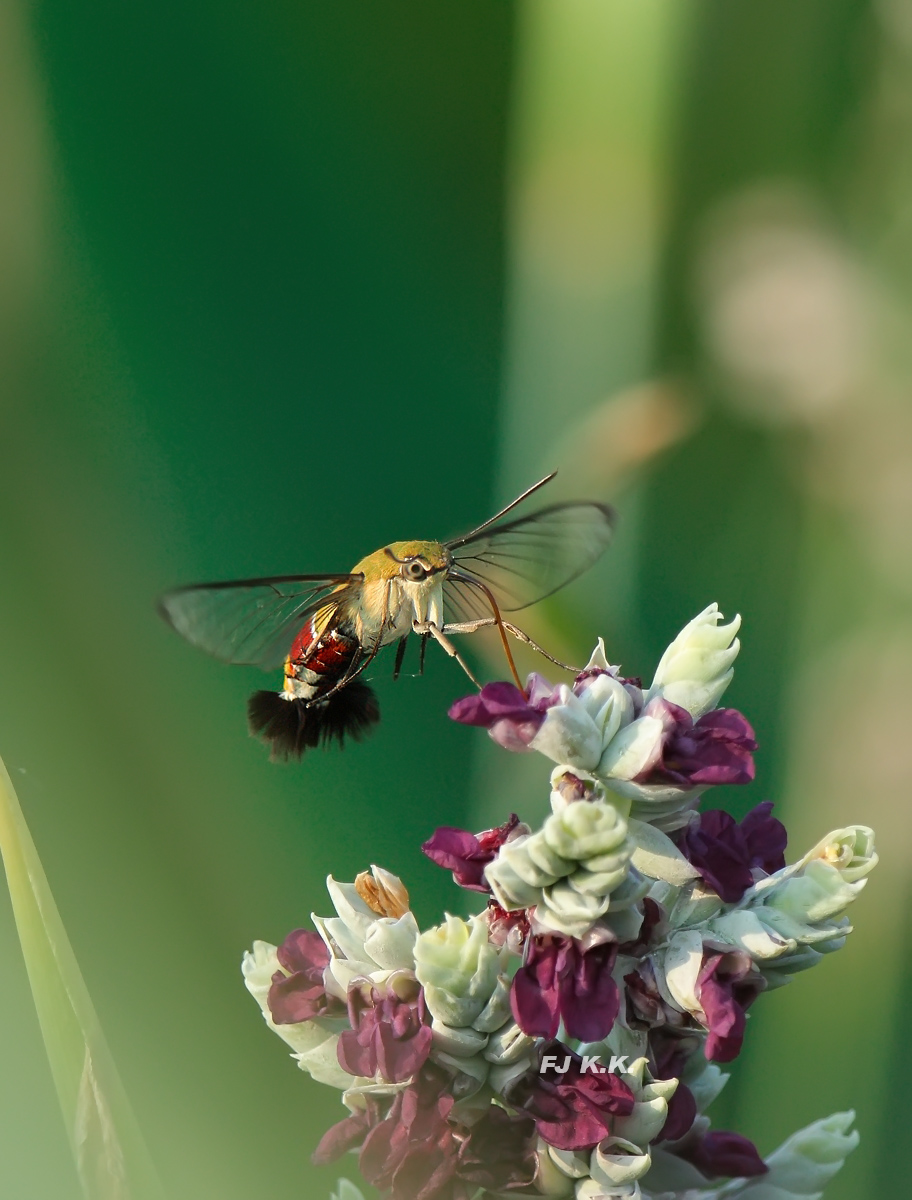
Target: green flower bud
(589, 829)
(568, 911)
(522, 868)
(458, 969)
(459, 1042)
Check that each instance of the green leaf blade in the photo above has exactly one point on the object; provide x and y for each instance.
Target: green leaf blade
(111, 1158)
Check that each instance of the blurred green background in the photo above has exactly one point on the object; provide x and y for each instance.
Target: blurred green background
(281, 282)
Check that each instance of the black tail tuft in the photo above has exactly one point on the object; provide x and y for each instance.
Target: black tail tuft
(289, 727)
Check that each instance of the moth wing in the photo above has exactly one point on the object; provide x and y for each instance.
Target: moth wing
(252, 622)
(525, 559)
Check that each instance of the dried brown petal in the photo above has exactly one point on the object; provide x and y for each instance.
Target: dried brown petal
(382, 892)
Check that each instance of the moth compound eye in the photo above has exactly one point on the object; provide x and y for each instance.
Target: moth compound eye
(414, 570)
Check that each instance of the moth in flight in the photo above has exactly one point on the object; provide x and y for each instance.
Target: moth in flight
(325, 630)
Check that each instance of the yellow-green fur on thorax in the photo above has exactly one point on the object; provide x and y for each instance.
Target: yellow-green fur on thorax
(388, 599)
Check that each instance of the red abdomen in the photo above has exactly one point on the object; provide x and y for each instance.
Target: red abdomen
(328, 655)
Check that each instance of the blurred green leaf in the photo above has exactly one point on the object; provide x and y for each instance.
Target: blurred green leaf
(111, 1158)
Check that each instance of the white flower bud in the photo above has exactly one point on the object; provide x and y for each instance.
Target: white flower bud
(592, 1189)
(321, 1060)
(745, 929)
(361, 941)
(850, 850)
(818, 894)
(697, 667)
(583, 721)
(552, 1178)
(258, 967)
(805, 902)
(509, 1045)
(568, 733)
(650, 1108)
(657, 856)
(615, 1161)
(635, 749)
(458, 969)
(679, 969)
(568, 869)
(497, 1010)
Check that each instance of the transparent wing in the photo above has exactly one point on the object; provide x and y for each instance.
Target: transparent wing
(463, 601)
(250, 621)
(525, 559)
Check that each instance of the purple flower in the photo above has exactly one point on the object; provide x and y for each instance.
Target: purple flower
(388, 1034)
(723, 1154)
(421, 1154)
(716, 749)
(561, 979)
(467, 854)
(727, 985)
(417, 1152)
(413, 1152)
(300, 995)
(345, 1135)
(512, 717)
(572, 1108)
(499, 1153)
(726, 853)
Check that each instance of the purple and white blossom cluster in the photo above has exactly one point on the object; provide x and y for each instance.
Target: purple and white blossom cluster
(629, 929)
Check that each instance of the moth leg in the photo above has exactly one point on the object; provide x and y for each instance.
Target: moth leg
(400, 655)
(358, 663)
(424, 643)
(519, 634)
(429, 629)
